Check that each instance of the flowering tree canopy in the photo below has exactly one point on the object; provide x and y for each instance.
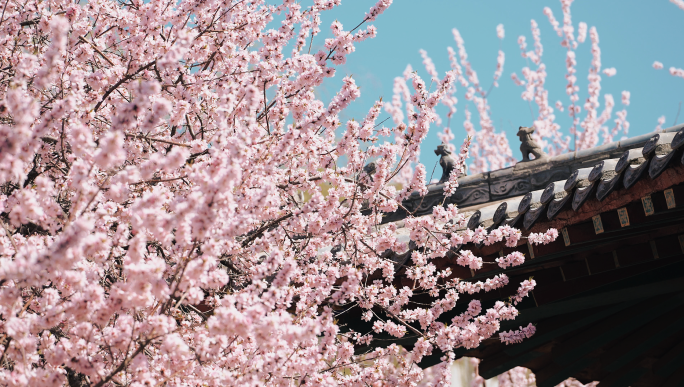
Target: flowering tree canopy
(179, 208)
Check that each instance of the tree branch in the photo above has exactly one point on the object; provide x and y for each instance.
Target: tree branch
(122, 81)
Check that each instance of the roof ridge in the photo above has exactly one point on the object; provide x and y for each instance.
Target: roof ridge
(520, 179)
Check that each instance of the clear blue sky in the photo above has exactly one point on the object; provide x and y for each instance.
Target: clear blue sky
(633, 34)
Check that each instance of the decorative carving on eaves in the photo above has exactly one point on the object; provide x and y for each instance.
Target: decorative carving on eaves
(664, 149)
(583, 186)
(506, 188)
(501, 213)
(659, 164)
(522, 182)
(423, 205)
(558, 204)
(582, 195)
(467, 195)
(606, 187)
(541, 179)
(635, 170)
(472, 194)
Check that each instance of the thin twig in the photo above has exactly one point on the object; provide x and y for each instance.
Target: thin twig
(159, 180)
(263, 228)
(2, 19)
(7, 343)
(122, 81)
(268, 126)
(394, 316)
(124, 364)
(139, 136)
(9, 236)
(677, 116)
(187, 122)
(82, 39)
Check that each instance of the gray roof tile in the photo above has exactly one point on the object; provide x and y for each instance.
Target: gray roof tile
(540, 189)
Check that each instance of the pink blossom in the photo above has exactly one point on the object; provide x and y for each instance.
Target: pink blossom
(543, 238)
(661, 122)
(499, 67)
(524, 289)
(203, 209)
(678, 3)
(451, 184)
(429, 65)
(582, 32)
(513, 259)
(378, 9)
(677, 72)
(517, 336)
(468, 259)
(610, 71)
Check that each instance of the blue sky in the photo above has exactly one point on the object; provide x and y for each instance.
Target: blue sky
(633, 34)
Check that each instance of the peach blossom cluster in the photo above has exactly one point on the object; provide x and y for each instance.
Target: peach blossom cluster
(178, 206)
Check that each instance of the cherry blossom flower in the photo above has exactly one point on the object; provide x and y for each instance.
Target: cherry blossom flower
(678, 3)
(500, 31)
(661, 122)
(676, 72)
(610, 71)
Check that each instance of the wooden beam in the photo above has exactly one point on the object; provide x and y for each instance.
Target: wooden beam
(560, 373)
(638, 350)
(571, 357)
(612, 329)
(520, 354)
(625, 378)
(517, 356)
(670, 361)
(648, 376)
(676, 379)
(601, 299)
(649, 230)
(536, 341)
(488, 373)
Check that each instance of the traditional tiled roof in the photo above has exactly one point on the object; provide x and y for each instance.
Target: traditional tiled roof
(529, 191)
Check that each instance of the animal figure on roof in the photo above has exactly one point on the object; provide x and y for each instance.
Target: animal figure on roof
(528, 146)
(447, 162)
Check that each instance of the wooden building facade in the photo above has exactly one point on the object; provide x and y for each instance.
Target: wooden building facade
(609, 301)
